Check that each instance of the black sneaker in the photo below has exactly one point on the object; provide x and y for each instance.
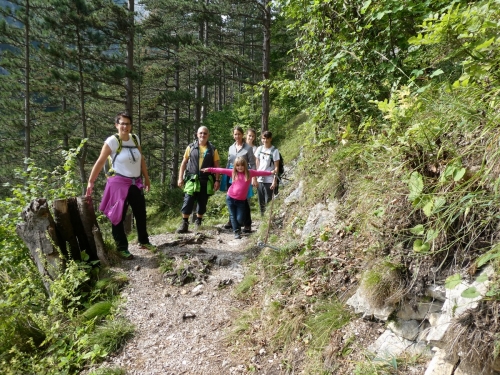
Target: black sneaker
(183, 228)
(247, 229)
(228, 225)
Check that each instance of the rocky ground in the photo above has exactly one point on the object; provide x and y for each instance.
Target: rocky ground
(180, 328)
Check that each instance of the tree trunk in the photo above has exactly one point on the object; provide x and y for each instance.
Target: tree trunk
(176, 151)
(27, 109)
(130, 60)
(266, 65)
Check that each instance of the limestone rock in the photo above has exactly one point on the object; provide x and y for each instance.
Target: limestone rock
(361, 305)
(319, 216)
(455, 305)
(408, 329)
(389, 345)
(438, 365)
(420, 311)
(295, 195)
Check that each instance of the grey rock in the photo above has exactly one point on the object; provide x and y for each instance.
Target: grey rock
(420, 311)
(407, 329)
(361, 305)
(295, 195)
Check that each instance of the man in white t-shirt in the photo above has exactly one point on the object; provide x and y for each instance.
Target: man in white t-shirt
(267, 159)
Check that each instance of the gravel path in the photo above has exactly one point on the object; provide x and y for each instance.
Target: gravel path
(180, 329)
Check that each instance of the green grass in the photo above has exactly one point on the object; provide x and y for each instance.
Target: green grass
(112, 335)
(108, 371)
(245, 286)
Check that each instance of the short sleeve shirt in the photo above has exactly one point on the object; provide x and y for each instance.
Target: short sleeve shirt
(266, 162)
(203, 150)
(128, 162)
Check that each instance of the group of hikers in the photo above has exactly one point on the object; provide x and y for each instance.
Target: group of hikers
(200, 175)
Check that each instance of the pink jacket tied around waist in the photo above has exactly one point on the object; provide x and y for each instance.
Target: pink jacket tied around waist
(115, 196)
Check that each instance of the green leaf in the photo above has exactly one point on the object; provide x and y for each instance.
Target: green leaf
(452, 281)
(438, 203)
(485, 44)
(428, 208)
(458, 174)
(470, 293)
(437, 73)
(482, 278)
(432, 235)
(420, 246)
(485, 258)
(365, 6)
(418, 230)
(416, 185)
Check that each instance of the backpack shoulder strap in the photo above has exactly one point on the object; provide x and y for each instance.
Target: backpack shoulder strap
(271, 153)
(135, 139)
(258, 151)
(119, 143)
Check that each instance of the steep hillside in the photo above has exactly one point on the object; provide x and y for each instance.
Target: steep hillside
(381, 251)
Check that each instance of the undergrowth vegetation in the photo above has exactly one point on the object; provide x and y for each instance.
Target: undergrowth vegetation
(77, 322)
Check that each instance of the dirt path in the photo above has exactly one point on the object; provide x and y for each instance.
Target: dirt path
(180, 329)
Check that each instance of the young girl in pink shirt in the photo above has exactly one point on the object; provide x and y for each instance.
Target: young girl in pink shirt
(237, 193)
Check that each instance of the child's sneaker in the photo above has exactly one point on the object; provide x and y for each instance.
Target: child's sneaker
(125, 254)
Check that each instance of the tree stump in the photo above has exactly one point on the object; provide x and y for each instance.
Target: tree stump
(47, 239)
(40, 236)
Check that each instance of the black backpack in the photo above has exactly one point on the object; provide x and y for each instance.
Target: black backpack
(281, 167)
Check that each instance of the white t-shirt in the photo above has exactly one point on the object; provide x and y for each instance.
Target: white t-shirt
(128, 161)
(265, 164)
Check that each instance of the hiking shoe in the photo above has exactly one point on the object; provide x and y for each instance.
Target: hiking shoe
(247, 229)
(228, 225)
(197, 225)
(237, 236)
(183, 228)
(125, 254)
(148, 246)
